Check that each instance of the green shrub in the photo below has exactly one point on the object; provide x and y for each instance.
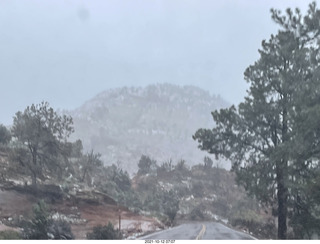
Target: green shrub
(106, 232)
(182, 190)
(222, 207)
(197, 214)
(261, 229)
(10, 235)
(198, 189)
(170, 204)
(146, 165)
(42, 227)
(60, 230)
(37, 229)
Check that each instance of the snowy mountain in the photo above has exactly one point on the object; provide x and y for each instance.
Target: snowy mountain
(158, 121)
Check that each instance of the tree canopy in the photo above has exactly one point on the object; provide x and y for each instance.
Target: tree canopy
(5, 135)
(146, 164)
(272, 137)
(41, 135)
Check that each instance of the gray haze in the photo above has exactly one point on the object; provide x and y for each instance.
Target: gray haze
(67, 51)
(158, 121)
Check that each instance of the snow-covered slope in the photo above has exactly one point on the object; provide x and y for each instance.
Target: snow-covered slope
(158, 120)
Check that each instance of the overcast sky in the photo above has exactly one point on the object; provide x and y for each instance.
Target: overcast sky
(67, 51)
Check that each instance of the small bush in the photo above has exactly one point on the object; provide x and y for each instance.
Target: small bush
(197, 214)
(263, 230)
(10, 235)
(60, 230)
(170, 204)
(146, 165)
(182, 190)
(37, 229)
(106, 232)
(222, 207)
(198, 189)
(42, 227)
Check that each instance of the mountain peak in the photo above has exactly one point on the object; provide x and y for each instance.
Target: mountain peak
(157, 120)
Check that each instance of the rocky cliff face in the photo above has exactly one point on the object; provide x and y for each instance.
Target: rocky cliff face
(158, 120)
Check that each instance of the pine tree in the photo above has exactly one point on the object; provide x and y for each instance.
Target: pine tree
(40, 135)
(259, 136)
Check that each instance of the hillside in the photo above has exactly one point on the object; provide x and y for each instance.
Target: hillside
(158, 120)
(159, 196)
(178, 194)
(68, 200)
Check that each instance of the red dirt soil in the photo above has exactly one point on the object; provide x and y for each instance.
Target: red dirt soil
(15, 204)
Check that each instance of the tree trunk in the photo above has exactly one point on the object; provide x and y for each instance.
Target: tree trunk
(33, 167)
(282, 178)
(282, 196)
(84, 175)
(34, 180)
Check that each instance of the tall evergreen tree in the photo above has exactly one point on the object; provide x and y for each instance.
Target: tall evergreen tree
(41, 138)
(261, 136)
